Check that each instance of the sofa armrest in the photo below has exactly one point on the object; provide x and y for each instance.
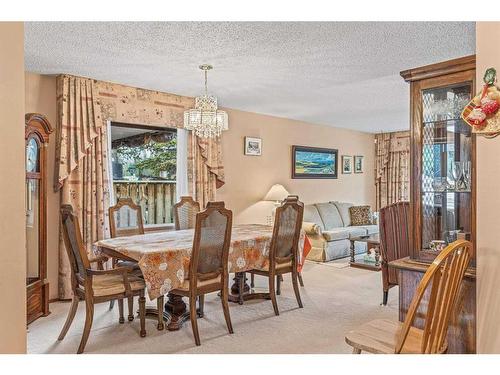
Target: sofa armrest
(311, 228)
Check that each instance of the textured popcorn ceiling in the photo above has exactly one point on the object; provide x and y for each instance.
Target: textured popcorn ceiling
(334, 73)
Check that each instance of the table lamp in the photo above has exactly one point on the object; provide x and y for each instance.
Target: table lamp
(276, 194)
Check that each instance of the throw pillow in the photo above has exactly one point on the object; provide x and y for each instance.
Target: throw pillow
(361, 215)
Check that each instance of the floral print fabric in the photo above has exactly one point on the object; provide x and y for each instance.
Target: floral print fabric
(164, 256)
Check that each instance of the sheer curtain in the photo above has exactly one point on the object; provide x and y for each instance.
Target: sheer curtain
(182, 164)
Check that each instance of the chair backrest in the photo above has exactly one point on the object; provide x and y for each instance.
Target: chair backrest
(185, 213)
(286, 233)
(125, 218)
(394, 231)
(444, 277)
(212, 238)
(75, 248)
(394, 224)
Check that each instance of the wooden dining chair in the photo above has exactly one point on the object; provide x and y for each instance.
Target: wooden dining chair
(284, 249)
(208, 266)
(185, 213)
(443, 278)
(394, 241)
(95, 286)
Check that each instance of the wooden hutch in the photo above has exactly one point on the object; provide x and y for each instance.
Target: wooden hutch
(442, 186)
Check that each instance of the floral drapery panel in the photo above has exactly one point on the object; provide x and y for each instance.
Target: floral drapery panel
(84, 107)
(392, 163)
(205, 172)
(82, 163)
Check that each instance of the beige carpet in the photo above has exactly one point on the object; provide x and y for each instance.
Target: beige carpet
(335, 301)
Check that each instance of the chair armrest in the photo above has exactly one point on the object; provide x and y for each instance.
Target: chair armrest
(100, 260)
(311, 228)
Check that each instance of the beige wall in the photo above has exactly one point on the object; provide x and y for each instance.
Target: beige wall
(12, 211)
(41, 98)
(488, 206)
(248, 178)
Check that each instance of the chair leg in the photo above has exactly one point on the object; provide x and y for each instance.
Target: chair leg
(159, 306)
(272, 294)
(89, 316)
(384, 299)
(130, 301)
(121, 320)
(193, 317)
(296, 289)
(225, 308)
(201, 305)
(252, 280)
(142, 314)
(301, 282)
(111, 304)
(278, 284)
(356, 351)
(71, 316)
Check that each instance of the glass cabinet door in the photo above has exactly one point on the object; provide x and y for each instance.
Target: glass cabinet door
(446, 178)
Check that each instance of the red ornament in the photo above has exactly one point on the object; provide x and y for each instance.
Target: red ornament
(489, 106)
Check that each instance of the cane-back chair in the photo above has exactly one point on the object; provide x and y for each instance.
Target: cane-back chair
(284, 249)
(95, 286)
(443, 277)
(125, 219)
(185, 213)
(394, 241)
(208, 266)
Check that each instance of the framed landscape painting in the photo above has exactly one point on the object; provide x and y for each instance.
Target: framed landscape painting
(314, 162)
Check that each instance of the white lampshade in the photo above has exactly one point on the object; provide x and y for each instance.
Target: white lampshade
(276, 193)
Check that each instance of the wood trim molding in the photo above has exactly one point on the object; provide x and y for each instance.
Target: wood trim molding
(435, 70)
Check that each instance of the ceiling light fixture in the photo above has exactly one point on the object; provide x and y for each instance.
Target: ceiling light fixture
(205, 120)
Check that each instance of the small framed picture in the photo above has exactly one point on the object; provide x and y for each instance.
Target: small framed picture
(346, 164)
(253, 146)
(358, 164)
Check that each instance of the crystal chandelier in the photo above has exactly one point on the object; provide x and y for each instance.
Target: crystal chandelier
(205, 120)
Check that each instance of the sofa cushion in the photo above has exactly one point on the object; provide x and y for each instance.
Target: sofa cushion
(330, 215)
(336, 234)
(311, 215)
(343, 208)
(371, 229)
(356, 231)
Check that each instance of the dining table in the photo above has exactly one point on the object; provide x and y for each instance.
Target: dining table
(164, 257)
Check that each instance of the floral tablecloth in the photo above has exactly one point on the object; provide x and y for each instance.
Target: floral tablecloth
(164, 256)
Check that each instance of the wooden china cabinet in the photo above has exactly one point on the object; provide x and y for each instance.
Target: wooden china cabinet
(37, 132)
(442, 186)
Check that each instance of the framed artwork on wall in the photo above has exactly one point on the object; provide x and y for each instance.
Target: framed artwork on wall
(358, 164)
(346, 164)
(253, 146)
(314, 162)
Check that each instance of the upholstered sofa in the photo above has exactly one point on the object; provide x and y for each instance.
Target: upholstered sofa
(328, 227)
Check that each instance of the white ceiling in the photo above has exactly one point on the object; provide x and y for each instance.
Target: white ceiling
(343, 74)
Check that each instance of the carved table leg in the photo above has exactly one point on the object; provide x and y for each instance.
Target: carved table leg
(175, 312)
(235, 296)
(352, 252)
(377, 256)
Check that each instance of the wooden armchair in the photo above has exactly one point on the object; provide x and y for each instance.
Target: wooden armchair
(95, 286)
(283, 253)
(444, 277)
(394, 241)
(185, 213)
(125, 219)
(208, 268)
